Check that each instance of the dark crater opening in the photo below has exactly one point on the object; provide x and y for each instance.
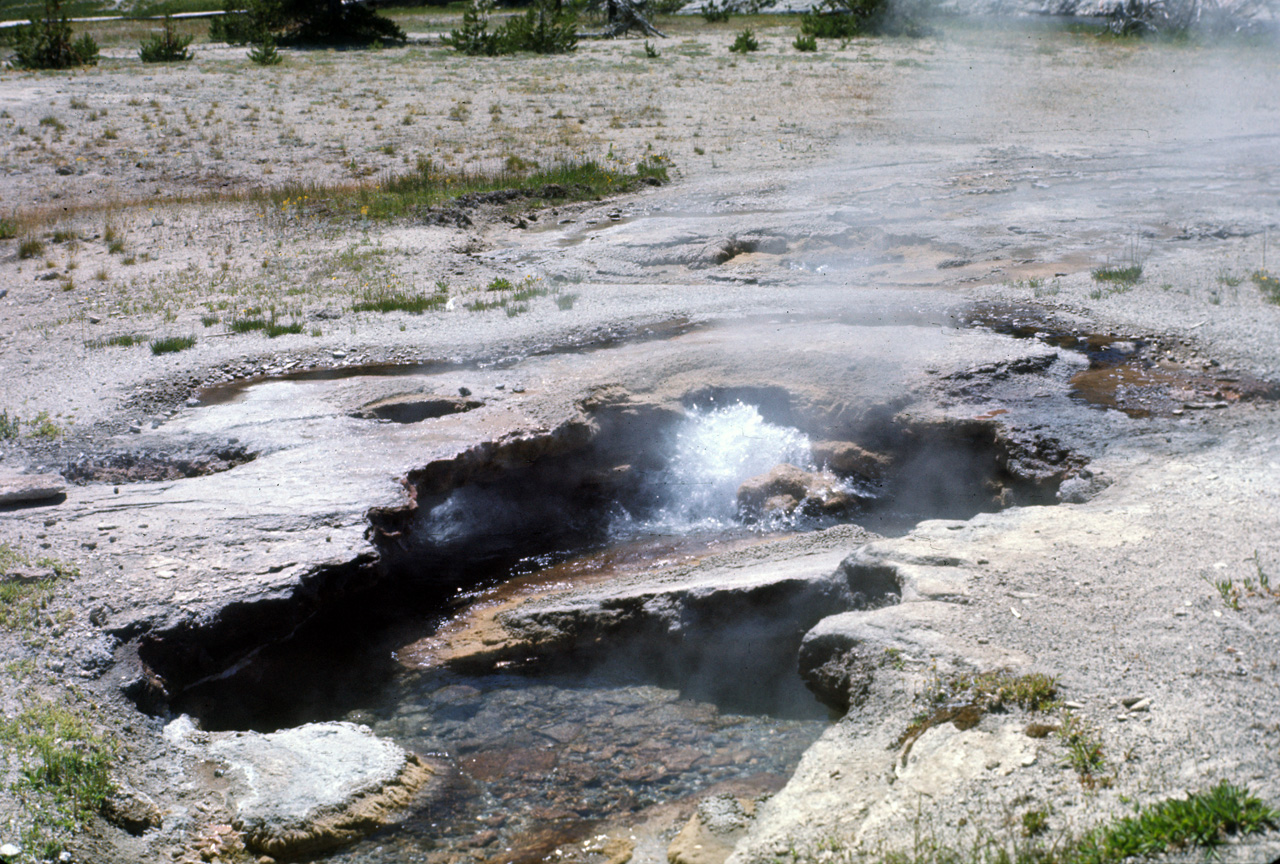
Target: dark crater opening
(517, 506)
(137, 466)
(415, 409)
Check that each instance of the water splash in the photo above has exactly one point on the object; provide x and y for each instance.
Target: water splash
(713, 451)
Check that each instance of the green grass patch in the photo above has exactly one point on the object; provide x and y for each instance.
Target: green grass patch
(1201, 820)
(1128, 275)
(62, 771)
(247, 325)
(430, 186)
(275, 329)
(396, 301)
(30, 248)
(120, 340)
(22, 601)
(172, 344)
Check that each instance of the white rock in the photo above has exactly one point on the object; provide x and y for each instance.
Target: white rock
(8, 850)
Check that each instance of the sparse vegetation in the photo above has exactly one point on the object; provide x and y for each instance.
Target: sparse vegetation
(30, 248)
(396, 301)
(1202, 820)
(1085, 753)
(9, 427)
(1126, 276)
(1268, 283)
(963, 699)
(275, 328)
(22, 601)
(172, 344)
(429, 186)
(805, 42)
(62, 770)
(43, 426)
(120, 340)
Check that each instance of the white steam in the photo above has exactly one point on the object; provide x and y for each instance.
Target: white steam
(713, 452)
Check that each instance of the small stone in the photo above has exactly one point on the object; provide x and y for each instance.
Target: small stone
(8, 850)
(464, 391)
(135, 428)
(94, 319)
(1140, 705)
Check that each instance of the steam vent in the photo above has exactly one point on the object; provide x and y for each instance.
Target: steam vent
(850, 449)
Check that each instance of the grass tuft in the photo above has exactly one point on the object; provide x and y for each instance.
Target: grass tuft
(9, 428)
(120, 340)
(1119, 275)
(172, 344)
(1202, 819)
(247, 325)
(395, 301)
(274, 329)
(30, 248)
(1085, 753)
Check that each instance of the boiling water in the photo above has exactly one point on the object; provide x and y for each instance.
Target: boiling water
(712, 452)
